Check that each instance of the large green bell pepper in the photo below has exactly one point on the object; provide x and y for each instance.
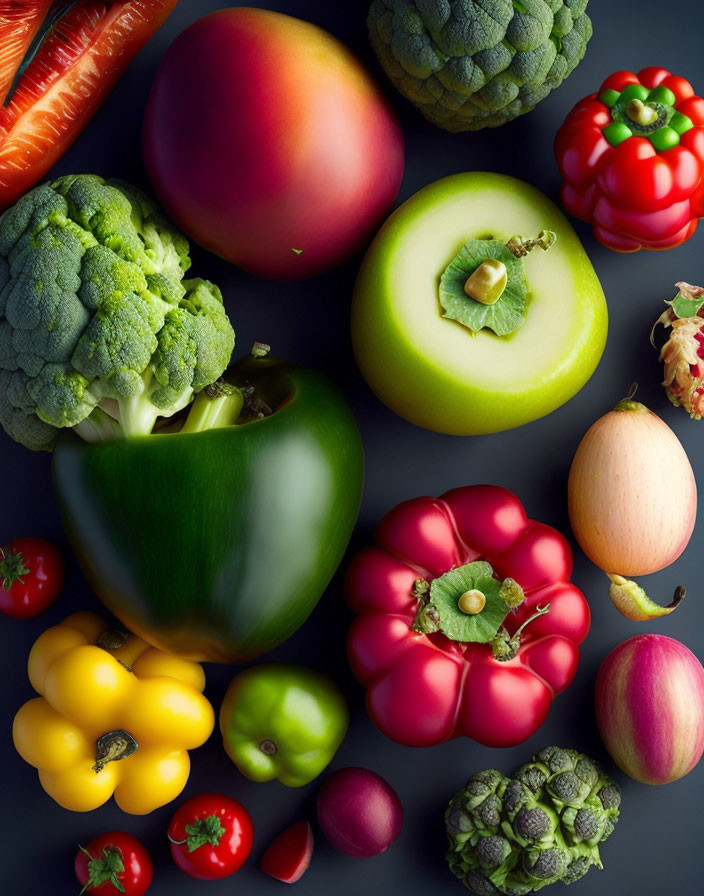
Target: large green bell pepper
(217, 544)
(282, 721)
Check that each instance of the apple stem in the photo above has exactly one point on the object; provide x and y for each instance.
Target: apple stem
(520, 247)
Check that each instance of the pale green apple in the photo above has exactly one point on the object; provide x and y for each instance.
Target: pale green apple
(434, 371)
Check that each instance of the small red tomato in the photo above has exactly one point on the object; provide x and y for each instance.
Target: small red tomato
(31, 575)
(114, 863)
(211, 836)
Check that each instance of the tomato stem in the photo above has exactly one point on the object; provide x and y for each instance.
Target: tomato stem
(12, 568)
(202, 831)
(104, 870)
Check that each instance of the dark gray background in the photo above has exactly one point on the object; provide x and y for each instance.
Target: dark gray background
(657, 845)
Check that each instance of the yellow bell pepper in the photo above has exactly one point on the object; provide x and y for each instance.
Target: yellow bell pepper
(115, 717)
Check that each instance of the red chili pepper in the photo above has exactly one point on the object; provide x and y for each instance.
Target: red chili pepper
(632, 159)
(425, 687)
(54, 80)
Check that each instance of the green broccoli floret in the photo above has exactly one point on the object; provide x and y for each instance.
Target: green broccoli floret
(471, 64)
(98, 329)
(547, 822)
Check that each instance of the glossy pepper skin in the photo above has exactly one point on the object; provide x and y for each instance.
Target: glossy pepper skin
(282, 721)
(217, 545)
(424, 689)
(114, 717)
(640, 182)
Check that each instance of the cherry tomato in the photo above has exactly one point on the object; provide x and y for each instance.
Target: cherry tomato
(211, 836)
(31, 575)
(114, 863)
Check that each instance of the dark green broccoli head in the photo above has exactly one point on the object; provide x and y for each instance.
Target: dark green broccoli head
(471, 64)
(516, 835)
(94, 311)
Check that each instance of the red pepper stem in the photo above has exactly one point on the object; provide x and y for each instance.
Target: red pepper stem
(539, 611)
(643, 115)
(505, 646)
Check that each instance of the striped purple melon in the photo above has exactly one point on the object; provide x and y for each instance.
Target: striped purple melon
(650, 708)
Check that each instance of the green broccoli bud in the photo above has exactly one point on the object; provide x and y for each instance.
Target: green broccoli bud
(531, 824)
(576, 869)
(493, 850)
(477, 883)
(545, 864)
(512, 836)
(470, 64)
(95, 316)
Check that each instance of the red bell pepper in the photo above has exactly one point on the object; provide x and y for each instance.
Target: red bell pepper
(632, 159)
(425, 685)
(58, 62)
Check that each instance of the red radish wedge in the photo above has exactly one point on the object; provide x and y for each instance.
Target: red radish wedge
(288, 856)
(650, 708)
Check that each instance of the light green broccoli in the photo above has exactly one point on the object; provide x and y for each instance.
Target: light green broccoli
(516, 835)
(471, 64)
(98, 329)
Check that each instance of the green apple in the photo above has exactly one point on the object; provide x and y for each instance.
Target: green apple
(436, 372)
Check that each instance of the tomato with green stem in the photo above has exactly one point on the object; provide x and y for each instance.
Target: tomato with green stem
(211, 836)
(114, 862)
(31, 575)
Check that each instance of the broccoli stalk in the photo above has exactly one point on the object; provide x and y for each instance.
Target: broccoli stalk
(217, 406)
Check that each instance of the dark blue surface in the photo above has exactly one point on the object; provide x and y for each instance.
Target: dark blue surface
(657, 845)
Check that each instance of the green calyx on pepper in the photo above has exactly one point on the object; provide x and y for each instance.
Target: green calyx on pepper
(484, 286)
(469, 604)
(282, 721)
(639, 112)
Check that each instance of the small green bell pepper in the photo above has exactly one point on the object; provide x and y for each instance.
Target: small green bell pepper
(282, 721)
